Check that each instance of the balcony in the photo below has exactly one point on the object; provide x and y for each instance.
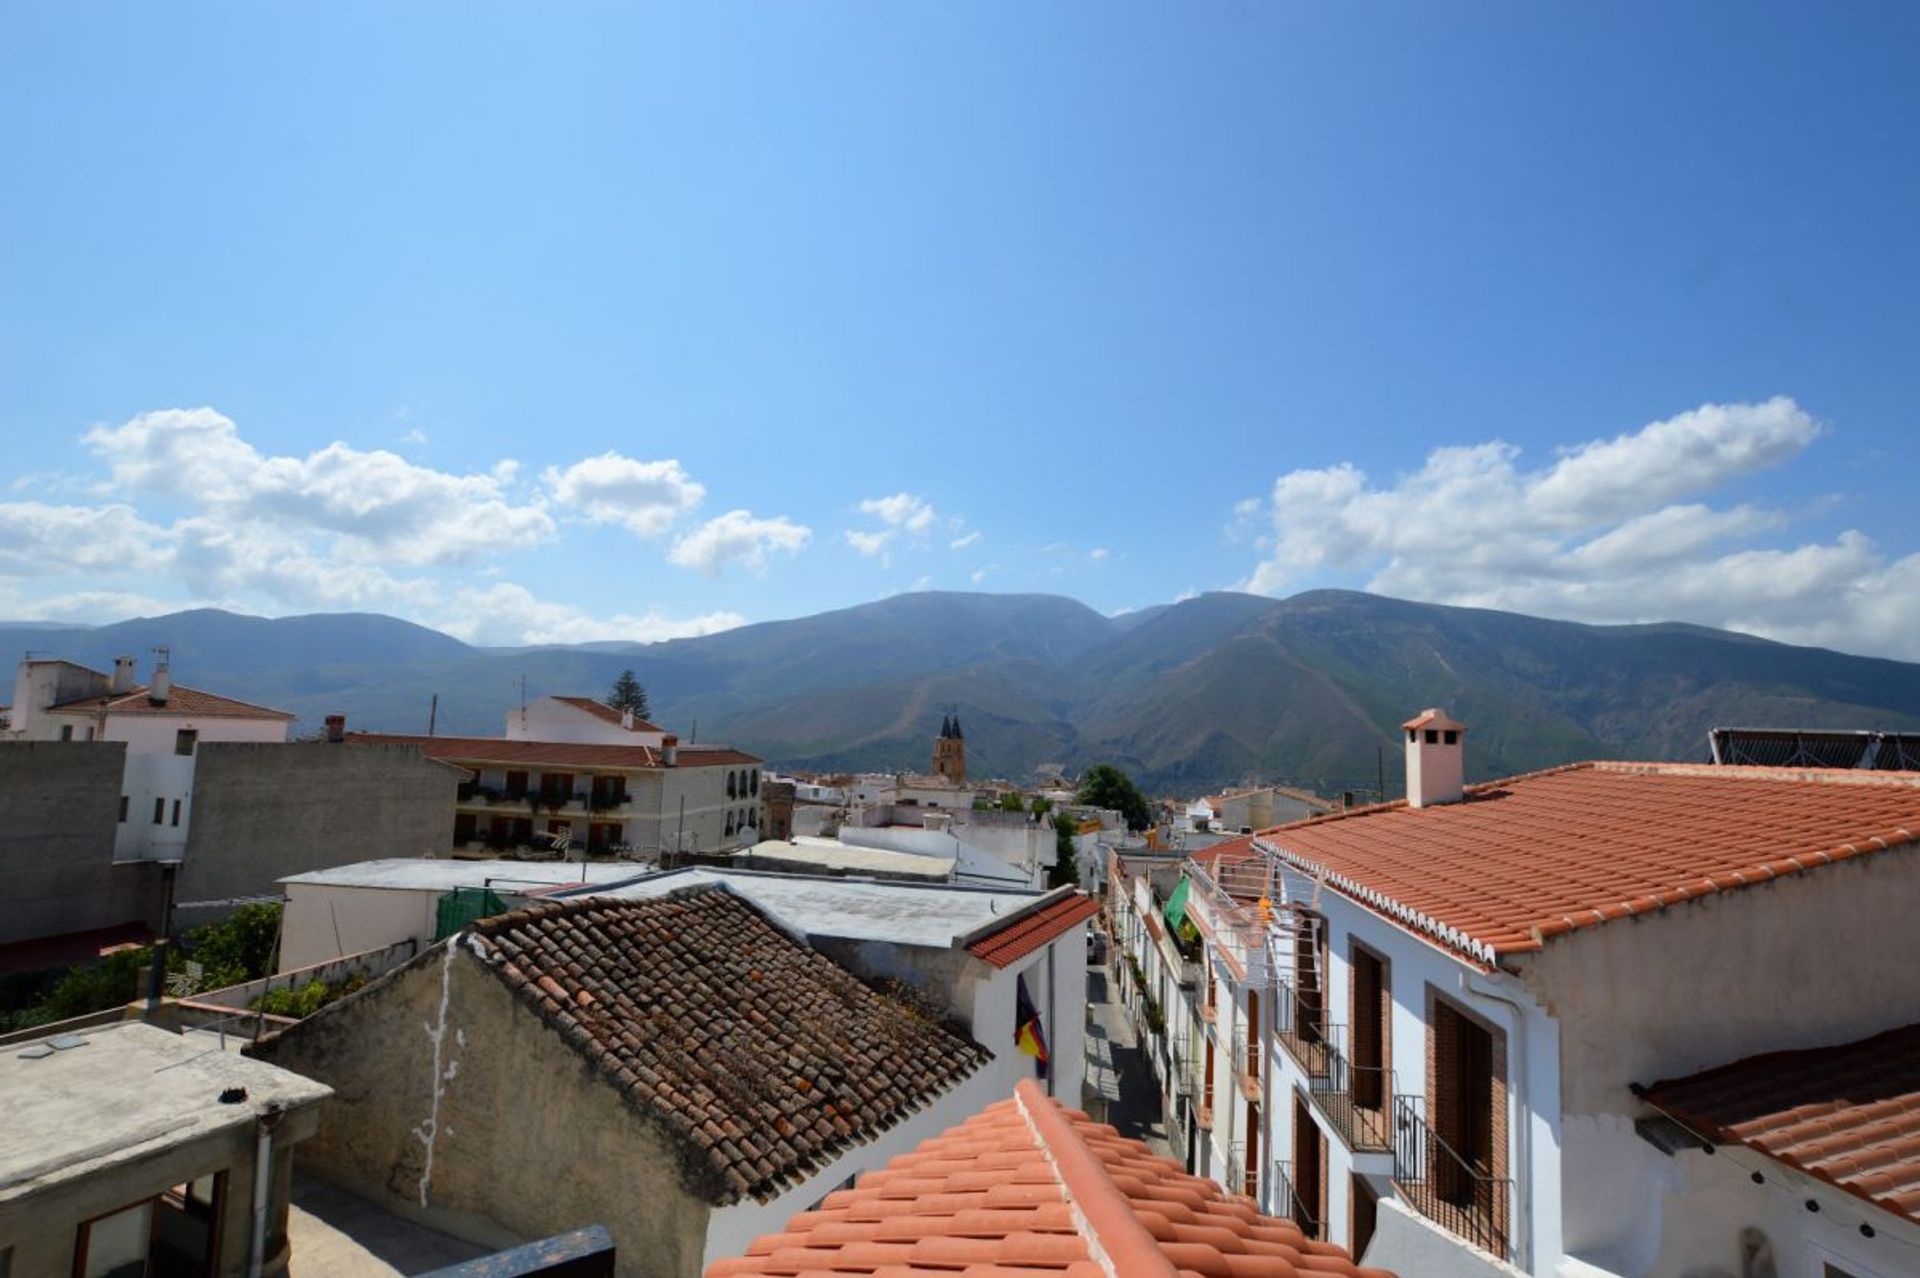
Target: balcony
(1289, 1205)
(1186, 1072)
(1237, 1176)
(1435, 1180)
(1355, 1099)
(1302, 1029)
(1246, 1062)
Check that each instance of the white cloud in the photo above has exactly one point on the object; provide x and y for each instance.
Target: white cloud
(980, 574)
(1612, 530)
(1097, 553)
(961, 543)
(644, 496)
(38, 540)
(902, 510)
(869, 544)
(738, 537)
(376, 505)
(510, 614)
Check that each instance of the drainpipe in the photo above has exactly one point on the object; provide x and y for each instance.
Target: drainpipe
(262, 1183)
(1518, 1087)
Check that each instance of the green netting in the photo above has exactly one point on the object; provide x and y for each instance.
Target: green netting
(463, 906)
(1177, 905)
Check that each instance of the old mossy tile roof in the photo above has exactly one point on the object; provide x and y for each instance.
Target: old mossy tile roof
(761, 1058)
(1030, 1188)
(1848, 1114)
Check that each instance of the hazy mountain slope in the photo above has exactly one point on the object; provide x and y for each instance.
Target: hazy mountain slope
(1214, 689)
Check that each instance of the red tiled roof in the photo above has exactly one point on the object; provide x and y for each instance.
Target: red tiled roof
(1523, 860)
(759, 1057)
(1030, 1188)
(1849, 1115)
(1022, 934)
(557, 754)
(601, 710)
(1435, 719)
(181, 700)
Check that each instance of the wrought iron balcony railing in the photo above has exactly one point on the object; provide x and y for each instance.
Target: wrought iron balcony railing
(1237, 1176)
(1288, 1203)
(1356, 1099)
(1452, 1191)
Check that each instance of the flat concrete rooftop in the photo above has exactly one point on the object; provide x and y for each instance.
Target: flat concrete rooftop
(831, 854)
(423, 874)
(118, 1093)
(929, 915)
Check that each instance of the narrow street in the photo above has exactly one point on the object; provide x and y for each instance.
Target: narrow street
(1136, 1112)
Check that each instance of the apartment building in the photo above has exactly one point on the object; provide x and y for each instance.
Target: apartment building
(570, 774)
(1438, 1031)
(161, 724)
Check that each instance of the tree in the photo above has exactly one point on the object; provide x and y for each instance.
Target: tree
(1066, 862)
(1042, 805)
(1012, 801)
(237, 949)
(1105, 786)
(627, 694)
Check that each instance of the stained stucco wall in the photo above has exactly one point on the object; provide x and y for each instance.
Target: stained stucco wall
(455, 1104)
(262, 812)
(59, 811)
(1821, 957)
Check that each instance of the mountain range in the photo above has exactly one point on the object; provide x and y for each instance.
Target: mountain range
(1190, 696)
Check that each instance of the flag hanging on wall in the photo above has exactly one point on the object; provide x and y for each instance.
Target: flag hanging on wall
(1027, 1033)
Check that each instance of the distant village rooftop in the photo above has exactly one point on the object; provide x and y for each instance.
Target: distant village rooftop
(509, 752)
(1519, 861)
(445, 875)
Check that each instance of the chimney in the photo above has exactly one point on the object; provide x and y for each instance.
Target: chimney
(122, 675)
(626, 718)
(669, 751)
(1436, 756)
(162, 686)
(336, 728)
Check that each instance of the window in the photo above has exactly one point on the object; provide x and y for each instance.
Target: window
(123, 809)
(1462, 1105)
(733, 791)
(1309, 971)
(1433, 736)
(754, 780)
(516, 785)
(1309, 1157)
(159, 811)
(1369, 1019)
(66, 732)
(89, 737)
(184, 740)
(176, 812)
(1453, 736)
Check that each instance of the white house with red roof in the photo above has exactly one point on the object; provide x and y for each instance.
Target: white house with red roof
(581, 720)
(1424, 1029)
(161, 723)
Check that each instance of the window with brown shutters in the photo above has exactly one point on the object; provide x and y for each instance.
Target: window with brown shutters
(1309, 977)
(1369, 1031)
(1462, 1103)
(1309, 1162)
(1366, 1215)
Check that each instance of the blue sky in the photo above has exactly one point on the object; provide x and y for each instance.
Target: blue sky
(553, 324)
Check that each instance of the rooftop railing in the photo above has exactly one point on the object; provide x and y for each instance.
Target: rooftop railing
(1445, 1187)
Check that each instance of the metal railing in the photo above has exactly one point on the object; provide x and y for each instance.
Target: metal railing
(1246, 1062)
(1185, 1072)
(1355, 1099)
(1445, 1187)
(1304, 1035)
(1236, 1175)
(1288, 1203)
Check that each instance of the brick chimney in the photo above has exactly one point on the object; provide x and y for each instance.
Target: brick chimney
(336, 728)
(1436, 759)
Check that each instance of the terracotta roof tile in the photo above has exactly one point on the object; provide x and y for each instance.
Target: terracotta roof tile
(601, 710)
(181, 700)
(503, 751)
(1522, 860)
(1849, 1115)
(1030, 1189)
(761, 1058)
(1025, 933)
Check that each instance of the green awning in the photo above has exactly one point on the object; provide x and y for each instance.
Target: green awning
(1176, 911)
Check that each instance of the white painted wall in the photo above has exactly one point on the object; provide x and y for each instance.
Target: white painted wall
(551, 719)
(147, 778)
(325, 921)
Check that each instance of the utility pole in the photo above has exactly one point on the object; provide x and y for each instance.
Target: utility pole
(433, 713)
(1380, 768)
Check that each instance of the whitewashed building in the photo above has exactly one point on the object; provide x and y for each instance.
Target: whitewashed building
(1429, 1025)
